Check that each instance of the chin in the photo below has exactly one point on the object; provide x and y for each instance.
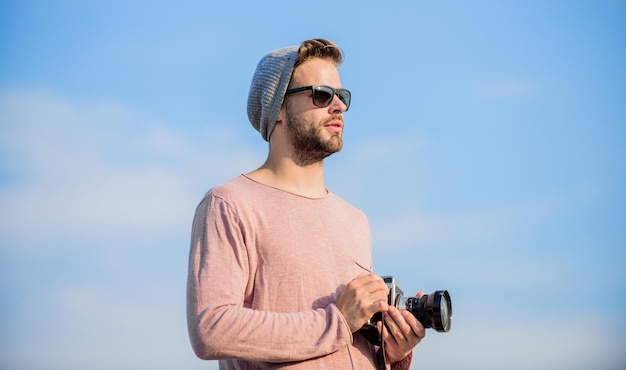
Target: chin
(336, 142)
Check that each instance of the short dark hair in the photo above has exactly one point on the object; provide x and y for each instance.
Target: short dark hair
(319, 48)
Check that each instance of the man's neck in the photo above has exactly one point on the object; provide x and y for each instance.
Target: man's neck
(285, 174)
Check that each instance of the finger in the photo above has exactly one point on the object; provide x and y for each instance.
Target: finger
(387, 334)
(365, 285)
(377, 291)
(365, 295)
(367, 278)
(369, 283)
(400, 319)
(414, 324)
(376, 283)
(396, 324)
(360, 281)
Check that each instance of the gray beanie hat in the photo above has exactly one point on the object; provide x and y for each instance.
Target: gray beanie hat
(268, 87)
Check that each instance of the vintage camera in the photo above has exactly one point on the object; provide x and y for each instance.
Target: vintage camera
(432, 310)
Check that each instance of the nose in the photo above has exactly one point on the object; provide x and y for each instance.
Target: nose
(336, 105)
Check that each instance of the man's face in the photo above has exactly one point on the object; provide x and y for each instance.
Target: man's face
(315, 132)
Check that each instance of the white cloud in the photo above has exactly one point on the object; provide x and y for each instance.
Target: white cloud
(468, 226)
(100, 328)
(92, 170)
(494, 342)
(409, 230)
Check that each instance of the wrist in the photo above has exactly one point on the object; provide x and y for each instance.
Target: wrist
(403, 364)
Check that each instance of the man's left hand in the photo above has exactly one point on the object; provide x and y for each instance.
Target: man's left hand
(402, 332)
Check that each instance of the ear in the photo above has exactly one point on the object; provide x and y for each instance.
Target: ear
(278, 124)
(282, 115)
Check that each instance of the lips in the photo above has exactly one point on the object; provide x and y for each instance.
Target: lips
(335, 124)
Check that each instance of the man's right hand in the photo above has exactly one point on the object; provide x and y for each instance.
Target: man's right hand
(363, 297)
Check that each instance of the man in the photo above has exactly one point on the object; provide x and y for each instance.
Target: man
(280, 268)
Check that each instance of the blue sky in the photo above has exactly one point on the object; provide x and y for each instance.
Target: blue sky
(486, 142)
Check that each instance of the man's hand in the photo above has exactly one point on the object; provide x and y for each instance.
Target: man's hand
(362, 298)
(402, 332)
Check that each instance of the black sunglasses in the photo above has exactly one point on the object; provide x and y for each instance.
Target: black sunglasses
(323, 95)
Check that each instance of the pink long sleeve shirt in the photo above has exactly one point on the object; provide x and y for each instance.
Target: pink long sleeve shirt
(265, 270)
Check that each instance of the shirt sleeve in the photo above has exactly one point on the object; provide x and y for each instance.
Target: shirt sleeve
(221, 326)
(405, 364)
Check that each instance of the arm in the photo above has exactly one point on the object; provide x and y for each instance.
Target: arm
(220, 326)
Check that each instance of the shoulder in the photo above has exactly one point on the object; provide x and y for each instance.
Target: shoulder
(229, 189)
(238, 192)
(223, 199)
(346, 207)
(224, 192)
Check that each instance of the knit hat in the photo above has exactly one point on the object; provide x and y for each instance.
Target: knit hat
(268, 87)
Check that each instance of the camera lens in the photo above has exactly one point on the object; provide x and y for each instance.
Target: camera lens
(432, 310)
(445, 312)
(444, 319)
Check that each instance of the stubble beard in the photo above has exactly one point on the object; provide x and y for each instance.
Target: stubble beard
(306, 138)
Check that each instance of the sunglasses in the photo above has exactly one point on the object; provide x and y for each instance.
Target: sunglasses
(323, 95)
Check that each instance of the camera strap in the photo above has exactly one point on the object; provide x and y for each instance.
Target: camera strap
(381, 356)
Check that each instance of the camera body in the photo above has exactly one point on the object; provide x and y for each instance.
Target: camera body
(431, 310)
(396, 294)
